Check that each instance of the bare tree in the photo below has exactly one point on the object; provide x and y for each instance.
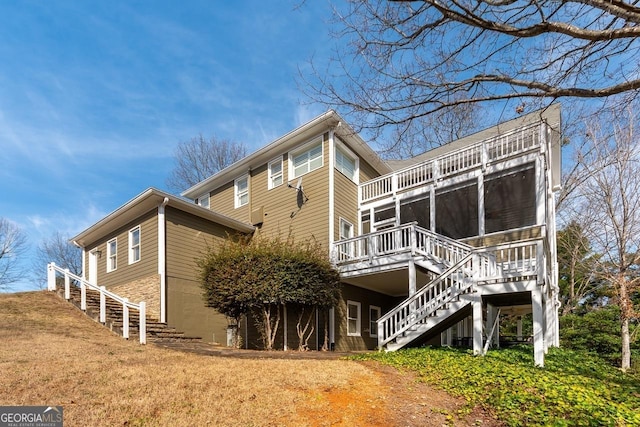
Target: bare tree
(58, 249)
(608, 207)
(198, 159)
(399, 61)
(13, 244)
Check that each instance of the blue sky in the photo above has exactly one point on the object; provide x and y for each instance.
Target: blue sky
(94, 96)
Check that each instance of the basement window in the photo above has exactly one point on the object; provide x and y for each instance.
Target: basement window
(353, 319)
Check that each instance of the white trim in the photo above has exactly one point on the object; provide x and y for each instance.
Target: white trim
(373, 328)
(93, 266)
(351, 247)
(345, 151)
(109, 255)
(304, 148)
(207, 197)
(332, 207)
(162, 240)
(358, 319)
(131, 257)
(236, 193)
(270, 176)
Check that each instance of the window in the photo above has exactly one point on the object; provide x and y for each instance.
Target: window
(112, 255)
(308, 160)
(347, 164)
(275, 173)
(134, 245)
(204, 201)
(241, 186)
(353, 318)
(374, 315)
(346, 232)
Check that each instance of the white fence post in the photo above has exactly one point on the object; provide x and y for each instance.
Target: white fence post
(51, 276)
(103, 305)
(67, 284)
(83, 296)
(125, 319)
(143, 323)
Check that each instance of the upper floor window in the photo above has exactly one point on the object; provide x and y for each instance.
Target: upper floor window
(308, 160)
(112, 255)
(275, 173)
(241, 186)
(204, 201)
(134, 245)
(347, 163)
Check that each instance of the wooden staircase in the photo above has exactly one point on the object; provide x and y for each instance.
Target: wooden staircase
(156, 332)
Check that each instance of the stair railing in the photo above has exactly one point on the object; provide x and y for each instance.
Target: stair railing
(458, 279)
(52, 268)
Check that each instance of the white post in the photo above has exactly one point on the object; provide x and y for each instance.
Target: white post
(381, 335)
(103, 305)
(477, 323)
(83, 296)
(67, 284)
(143, 323)
(285, 331)
(51, 276)
(538, 330)
(125, 319)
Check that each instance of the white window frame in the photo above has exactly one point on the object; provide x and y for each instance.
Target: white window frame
(239, 194)
(275, 176)
(358, 319)
(342, 150)
(306, 149)
(349, 252)
(373, 326)
(112, 255)
(201, 200)
(133, 247)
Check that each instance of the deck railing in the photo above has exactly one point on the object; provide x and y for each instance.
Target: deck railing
(407, 238)
(473, 156)
(52, 269)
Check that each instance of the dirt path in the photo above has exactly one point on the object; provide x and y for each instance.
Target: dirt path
(389, 398)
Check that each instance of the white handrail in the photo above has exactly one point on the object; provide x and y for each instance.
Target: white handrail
(491, 149)
(52, 268)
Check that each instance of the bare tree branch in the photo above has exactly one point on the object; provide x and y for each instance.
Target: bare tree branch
(13, 244)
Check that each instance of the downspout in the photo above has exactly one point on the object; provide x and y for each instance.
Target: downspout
(332, 330)
(162, 262)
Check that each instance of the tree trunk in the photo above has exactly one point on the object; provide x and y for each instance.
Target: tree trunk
(269, 325)
(325, 344)
(625, 314)
(303, 332)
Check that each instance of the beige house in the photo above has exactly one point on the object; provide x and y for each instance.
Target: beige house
(429, 249)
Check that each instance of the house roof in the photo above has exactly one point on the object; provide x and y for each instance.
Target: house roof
(143, 203)
(322, 123)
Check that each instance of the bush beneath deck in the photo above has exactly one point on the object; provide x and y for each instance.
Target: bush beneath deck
(574, 387)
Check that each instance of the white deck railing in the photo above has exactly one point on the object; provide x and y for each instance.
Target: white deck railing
(502, 262)
(407, 238)
(473, 156)
(52, 269)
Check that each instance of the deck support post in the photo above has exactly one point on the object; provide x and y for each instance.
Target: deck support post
(537, 308)
(476, 305)
(492, 313)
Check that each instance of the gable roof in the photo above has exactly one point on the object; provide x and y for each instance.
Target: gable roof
(143, 203)
(287, 142)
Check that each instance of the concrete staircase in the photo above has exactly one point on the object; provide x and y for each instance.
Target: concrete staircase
(156, 332)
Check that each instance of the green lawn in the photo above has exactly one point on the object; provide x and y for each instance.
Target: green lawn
(574, 388)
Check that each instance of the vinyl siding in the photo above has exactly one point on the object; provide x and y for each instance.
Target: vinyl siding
(365, 298)
(283, 207)
(345, 203)
(188, 238)
(125, 272)
(367, 172)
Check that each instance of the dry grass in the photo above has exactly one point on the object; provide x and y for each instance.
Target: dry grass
(51, 354)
